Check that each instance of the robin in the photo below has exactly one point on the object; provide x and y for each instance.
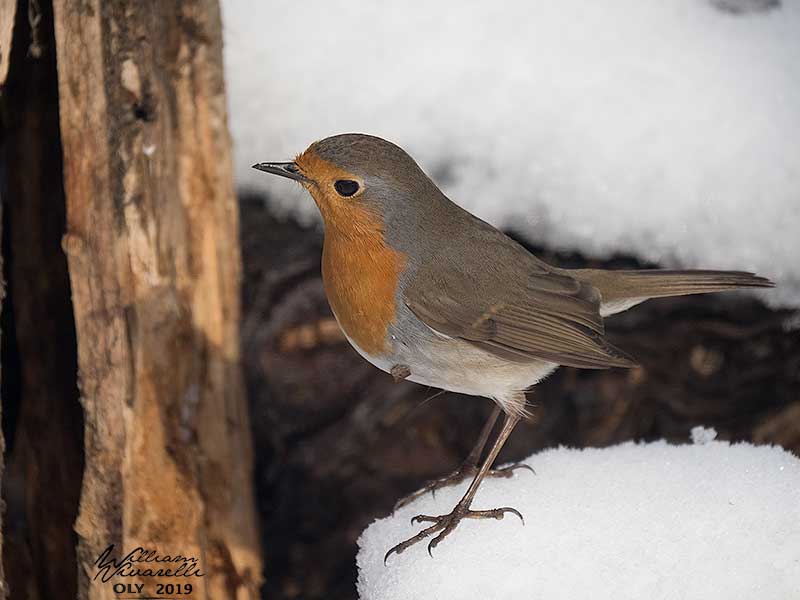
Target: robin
(428, 292)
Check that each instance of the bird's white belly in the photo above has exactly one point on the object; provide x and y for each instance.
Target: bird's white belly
(458, 366)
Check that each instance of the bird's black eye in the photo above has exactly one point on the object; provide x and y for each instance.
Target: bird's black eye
(346, 187)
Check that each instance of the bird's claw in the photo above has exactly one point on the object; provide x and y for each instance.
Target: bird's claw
(443, 525)
(508, 471)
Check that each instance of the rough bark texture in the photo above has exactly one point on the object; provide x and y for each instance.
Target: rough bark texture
(154, 265)
(338, 442)
(39, 392)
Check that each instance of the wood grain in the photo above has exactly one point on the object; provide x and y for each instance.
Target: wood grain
(154, 266)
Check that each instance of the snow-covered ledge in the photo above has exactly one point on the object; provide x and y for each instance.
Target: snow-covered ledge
(710, 520)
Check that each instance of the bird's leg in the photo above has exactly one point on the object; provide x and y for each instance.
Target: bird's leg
(468, 468)
(444, 524)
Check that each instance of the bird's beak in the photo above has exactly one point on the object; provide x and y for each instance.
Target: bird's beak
(284, 169)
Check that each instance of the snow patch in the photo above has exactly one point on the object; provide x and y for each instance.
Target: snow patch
(704, 521)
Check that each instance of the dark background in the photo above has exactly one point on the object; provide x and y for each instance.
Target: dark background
(338, 442)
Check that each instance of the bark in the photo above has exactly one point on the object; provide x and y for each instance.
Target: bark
(154, 265)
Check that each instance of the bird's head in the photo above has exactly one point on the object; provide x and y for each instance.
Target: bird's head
(353, 177)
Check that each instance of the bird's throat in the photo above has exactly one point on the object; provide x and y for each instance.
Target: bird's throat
(361, 273)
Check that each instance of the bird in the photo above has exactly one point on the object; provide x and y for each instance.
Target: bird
(429, 293)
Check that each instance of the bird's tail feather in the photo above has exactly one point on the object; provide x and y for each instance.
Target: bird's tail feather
(622, 289)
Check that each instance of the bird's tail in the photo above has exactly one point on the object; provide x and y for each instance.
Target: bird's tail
(619, 290)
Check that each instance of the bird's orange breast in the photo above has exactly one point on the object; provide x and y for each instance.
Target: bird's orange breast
(360, 273)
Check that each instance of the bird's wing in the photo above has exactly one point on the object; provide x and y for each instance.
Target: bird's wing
(547, 316)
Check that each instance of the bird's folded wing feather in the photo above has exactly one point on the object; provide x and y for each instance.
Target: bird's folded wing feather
(548, 316)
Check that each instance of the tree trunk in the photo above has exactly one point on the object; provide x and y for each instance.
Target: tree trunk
(154, 264)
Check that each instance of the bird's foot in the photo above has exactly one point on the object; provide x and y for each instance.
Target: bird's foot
(465, 471)
(444, 524)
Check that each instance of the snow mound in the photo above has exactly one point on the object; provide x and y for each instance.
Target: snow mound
(664, 129)
(705, 521)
